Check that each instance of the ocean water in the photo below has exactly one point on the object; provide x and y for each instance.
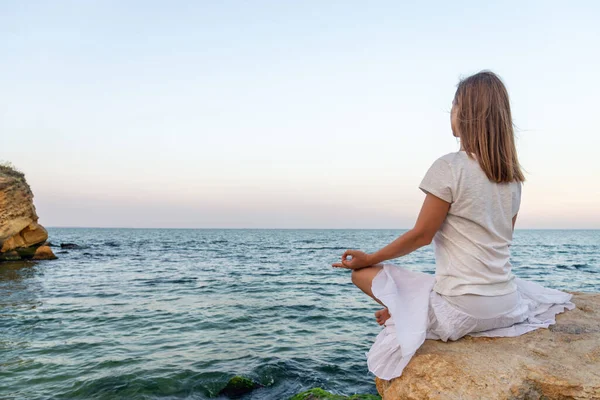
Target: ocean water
(161, 313)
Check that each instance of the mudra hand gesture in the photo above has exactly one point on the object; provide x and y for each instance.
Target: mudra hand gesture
(359, 259)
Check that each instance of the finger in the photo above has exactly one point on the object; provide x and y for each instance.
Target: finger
(352, 254)
(339, 265)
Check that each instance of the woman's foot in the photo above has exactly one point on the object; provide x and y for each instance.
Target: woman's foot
(382, 315)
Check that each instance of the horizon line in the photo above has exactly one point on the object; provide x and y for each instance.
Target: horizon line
(296, 229)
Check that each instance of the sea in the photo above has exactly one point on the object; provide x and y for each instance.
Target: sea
(176, 313)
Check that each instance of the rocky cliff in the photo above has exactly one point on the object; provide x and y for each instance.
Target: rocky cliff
(21, 237)
(562, 362)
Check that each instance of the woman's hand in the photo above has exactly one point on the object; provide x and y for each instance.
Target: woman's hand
(359, 260)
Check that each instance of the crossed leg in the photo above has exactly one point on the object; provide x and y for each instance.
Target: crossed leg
(363, 279)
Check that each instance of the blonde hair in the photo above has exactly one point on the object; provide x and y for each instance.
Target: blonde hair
(485, 126)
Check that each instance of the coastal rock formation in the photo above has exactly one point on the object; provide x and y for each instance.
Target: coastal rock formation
(20, 234)
(562, 362)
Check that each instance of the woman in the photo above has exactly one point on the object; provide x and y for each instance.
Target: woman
(469, 212)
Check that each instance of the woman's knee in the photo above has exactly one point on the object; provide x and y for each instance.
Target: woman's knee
(357, 275)
(364, 276)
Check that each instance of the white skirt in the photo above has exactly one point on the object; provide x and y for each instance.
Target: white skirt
(419, 313)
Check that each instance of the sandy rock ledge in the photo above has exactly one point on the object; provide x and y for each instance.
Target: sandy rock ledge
(562, 362)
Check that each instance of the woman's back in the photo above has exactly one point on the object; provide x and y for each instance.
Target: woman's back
(472, 246)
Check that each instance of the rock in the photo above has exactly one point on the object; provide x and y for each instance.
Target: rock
(69, 246)
(31, 235)
(12, 243)
(34, 233)
(16, 203)
(20, 233)
(26, 252)
(44, 253)
(562, 362)
(10, 256)
(238, 386)
(320, 394)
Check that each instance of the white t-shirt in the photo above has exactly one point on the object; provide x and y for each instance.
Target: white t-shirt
(472, 246)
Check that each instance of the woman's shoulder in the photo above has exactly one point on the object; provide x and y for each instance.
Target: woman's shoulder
(452, 159)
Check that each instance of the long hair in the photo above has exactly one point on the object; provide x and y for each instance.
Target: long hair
(485, 126)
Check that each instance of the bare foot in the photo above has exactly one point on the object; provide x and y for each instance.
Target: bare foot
(382, 315)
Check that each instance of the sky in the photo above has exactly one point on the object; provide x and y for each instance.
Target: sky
(287, 114)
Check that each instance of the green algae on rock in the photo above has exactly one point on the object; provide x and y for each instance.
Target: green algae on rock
(320, 394)
(238, 386)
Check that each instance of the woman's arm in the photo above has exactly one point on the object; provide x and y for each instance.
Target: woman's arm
(432, 215)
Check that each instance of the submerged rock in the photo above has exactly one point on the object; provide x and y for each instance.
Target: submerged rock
(238, 386)
(320, 394)
(20, 234)
(69, 246)
(562, 362)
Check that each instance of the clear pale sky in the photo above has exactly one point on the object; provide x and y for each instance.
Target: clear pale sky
(287, 114)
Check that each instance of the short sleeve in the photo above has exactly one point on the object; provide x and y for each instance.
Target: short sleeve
(516, 199)
(439, 181)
